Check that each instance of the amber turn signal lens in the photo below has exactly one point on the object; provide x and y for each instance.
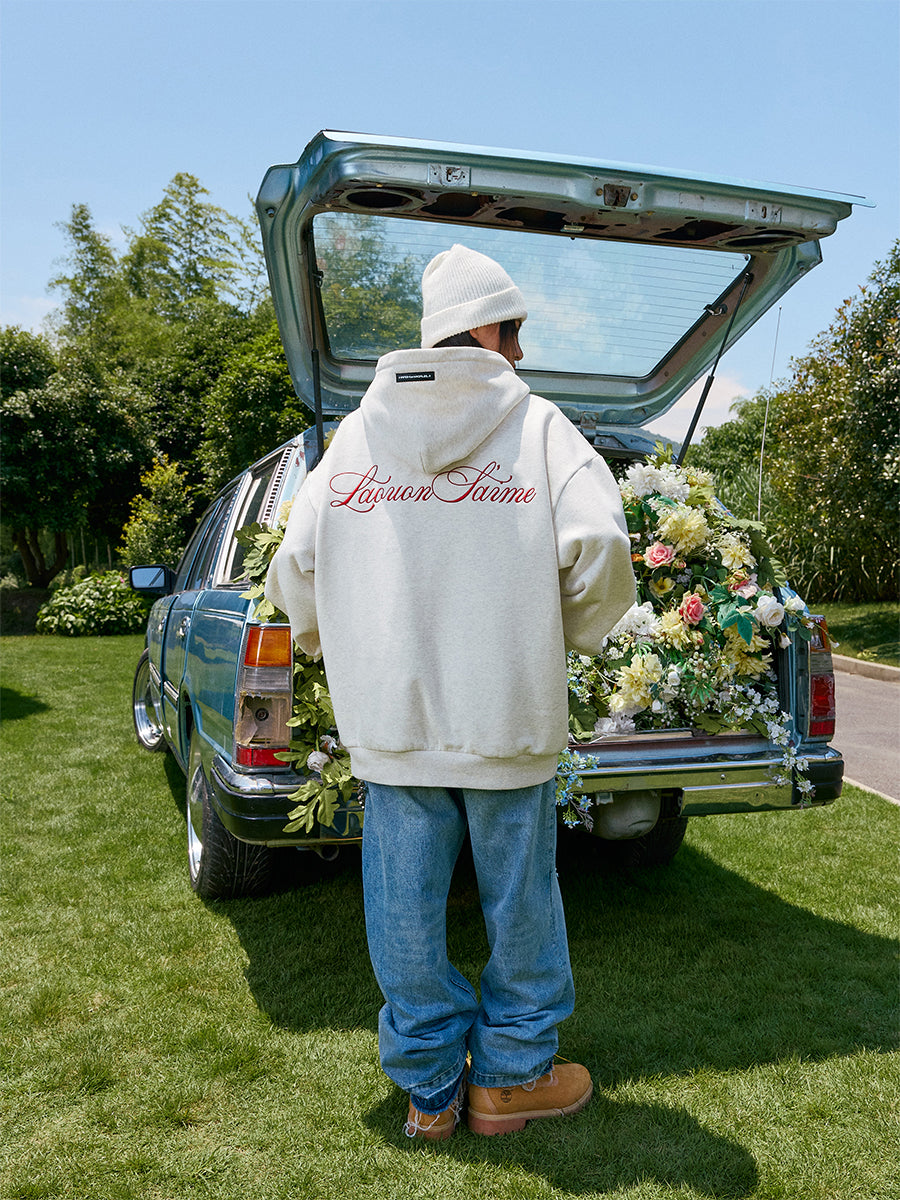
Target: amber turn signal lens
(268, 646)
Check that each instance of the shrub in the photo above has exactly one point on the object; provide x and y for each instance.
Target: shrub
(103, 603)
(157, 529)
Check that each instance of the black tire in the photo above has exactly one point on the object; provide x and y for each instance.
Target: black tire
(147, 728)
(656, 848)
(221, 867)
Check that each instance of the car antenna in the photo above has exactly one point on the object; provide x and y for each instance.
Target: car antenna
(762, 444)
(713, 311)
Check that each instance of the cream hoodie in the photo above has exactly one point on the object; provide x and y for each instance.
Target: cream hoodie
(458, 535)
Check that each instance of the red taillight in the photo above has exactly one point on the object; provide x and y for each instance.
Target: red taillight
(821, 682)
(821, 706)
(264, 695)
(260, 756)
(268, 646)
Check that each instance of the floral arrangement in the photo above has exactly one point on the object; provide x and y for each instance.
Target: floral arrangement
(694, 652)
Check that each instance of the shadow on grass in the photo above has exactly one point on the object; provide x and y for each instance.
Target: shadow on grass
(611, 1145)
(677, 970)
(14, 705)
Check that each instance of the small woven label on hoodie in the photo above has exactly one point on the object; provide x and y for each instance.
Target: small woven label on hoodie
(414, 376)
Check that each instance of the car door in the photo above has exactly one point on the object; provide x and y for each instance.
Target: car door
(192, 575)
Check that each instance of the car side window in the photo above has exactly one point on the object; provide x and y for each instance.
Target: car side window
(194, 568)
(201, 570)
(193, 547)
(251, 510)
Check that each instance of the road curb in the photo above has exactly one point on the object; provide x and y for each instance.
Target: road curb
(865, 787)
(858, 666)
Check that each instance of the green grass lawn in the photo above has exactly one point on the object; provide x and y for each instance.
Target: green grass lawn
(869, 631)
(737, 1009)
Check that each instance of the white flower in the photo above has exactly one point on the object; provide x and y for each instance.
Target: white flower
(317, 760)
(330, 744)
(769, 611)
(639, 621)
(643, 479)
(794, 604)
(673, 484)
(618, 723)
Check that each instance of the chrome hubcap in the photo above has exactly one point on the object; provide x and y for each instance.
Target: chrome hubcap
(196, 785)
(149, 730)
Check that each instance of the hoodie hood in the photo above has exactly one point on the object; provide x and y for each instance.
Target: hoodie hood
(433, 408)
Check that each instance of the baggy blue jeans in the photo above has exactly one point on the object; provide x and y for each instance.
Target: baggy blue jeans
(431, 1017)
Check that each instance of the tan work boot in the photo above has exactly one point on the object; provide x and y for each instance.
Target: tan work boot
(436, 1127)
(566, 1089)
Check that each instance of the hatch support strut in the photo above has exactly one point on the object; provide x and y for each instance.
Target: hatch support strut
(315, 282)
(748, 278)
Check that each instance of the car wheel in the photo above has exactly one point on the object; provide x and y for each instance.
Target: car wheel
(146, 723)
(221, 867)
(656, 848)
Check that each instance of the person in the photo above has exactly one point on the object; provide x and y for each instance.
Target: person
(457, 536)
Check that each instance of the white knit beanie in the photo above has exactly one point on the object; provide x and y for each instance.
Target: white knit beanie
(461, 290)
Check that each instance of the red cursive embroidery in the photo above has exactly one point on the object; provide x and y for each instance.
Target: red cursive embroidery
(361, 492)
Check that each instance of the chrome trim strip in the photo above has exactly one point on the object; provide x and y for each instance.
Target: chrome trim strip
(719, 786)
(641, 776)
(240, 783)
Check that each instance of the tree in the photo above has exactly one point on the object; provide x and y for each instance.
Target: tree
(26, 360)
(251, 409)
(832, 461)
(179, 379)
(838, 460)
(185, 252)
(731, 451)
(370, 297)
(141, 339)
(157, 529)
(92, 286)
(71, 455)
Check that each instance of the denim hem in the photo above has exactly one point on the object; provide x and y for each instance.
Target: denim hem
(480, 1079)
(439, 1100)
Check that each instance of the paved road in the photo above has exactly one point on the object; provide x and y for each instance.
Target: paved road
(868, 732)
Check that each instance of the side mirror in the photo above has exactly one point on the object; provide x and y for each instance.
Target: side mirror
(152, 581)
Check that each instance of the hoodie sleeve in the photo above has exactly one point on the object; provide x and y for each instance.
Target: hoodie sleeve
(291, 579)
(594, 553)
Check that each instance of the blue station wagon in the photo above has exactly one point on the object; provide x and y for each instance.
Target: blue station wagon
(637, 281)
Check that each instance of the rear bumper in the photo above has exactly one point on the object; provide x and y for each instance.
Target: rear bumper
(724, 774)
(705, 775)
(255, 807)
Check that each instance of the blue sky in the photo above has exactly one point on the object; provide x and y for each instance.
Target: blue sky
(103, 101)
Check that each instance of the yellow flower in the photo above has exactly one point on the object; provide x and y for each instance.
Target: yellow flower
(735, 555)
(697, 477)
(673, 631)
(747, 660)
(633, 683)
(660, 588)
(685, 527)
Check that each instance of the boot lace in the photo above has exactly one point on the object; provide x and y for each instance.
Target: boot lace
(423, 1123)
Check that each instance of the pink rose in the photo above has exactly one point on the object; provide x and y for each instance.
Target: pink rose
(691, 609)
(659, 555)
(747, 588)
